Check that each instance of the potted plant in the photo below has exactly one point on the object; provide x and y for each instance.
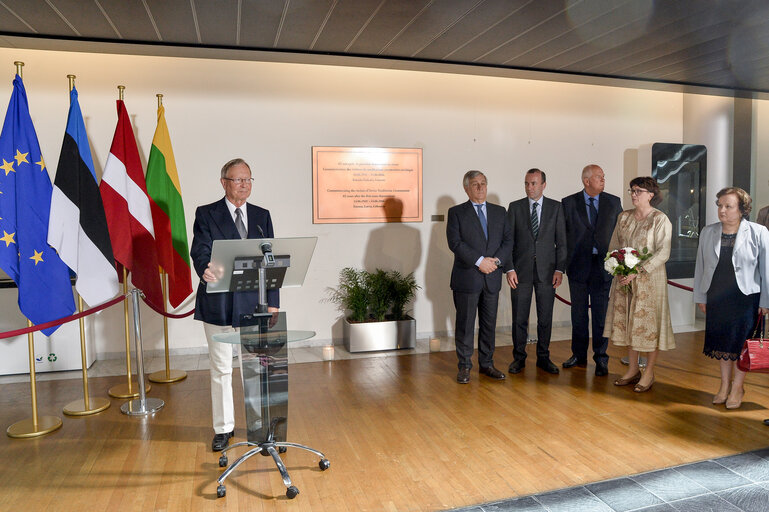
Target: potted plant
(376, 302)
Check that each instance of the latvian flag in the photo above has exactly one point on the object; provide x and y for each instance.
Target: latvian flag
(129, 215)
(77, 228)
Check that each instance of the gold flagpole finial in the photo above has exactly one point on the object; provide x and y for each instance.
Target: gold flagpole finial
(160, 100)
(121, 89)
(71, 82)
(18, 65)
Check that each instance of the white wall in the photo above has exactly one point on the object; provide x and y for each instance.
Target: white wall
(272, 113)
(761, 153)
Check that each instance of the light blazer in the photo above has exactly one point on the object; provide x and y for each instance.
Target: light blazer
(468, 243)
(214, 222)
(750, 260)
(549, 248)
(579, 232)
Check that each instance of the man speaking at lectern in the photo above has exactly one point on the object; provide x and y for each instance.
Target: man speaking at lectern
(230, 218)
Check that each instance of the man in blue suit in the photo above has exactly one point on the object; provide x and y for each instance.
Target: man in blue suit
(591, 215)
(480, 237)
(230, 218)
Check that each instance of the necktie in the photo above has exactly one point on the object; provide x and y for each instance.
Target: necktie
(481, 216)
(534, 220)
(239, 223)
(593, 211)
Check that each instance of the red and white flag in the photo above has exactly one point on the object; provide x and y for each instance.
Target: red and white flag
(128, 211)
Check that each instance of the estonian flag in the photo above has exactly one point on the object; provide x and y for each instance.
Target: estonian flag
(45, 292)
(78, 226)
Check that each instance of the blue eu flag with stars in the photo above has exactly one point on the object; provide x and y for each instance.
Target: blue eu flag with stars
(45, 292)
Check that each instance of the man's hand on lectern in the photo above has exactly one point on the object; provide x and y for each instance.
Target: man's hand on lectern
(274, 317)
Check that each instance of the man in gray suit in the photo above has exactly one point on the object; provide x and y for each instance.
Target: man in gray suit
(480, 238)
(537, 265)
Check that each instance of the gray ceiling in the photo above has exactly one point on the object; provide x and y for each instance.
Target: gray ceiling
(711, 43)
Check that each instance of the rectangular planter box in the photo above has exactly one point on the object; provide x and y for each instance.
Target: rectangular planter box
(387, 335)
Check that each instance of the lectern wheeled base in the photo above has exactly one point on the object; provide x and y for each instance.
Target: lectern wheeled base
(272, 448)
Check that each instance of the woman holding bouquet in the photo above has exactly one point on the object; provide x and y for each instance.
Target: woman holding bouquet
(638, 316)
(730, 287)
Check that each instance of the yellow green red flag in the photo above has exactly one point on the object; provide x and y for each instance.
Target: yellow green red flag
(168, 214)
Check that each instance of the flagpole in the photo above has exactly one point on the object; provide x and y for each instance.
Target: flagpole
(168, 376)
(38, 425)
(121, 390)
(86, 406)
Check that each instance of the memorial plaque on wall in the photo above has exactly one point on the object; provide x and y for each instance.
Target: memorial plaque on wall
(366, 185)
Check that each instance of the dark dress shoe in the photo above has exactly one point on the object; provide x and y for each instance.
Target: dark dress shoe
(516, 367)
(463, 376)
(221, 441)
(601, 369)
(493, 373)
(548, 366)
(573, 361)
(766, 422)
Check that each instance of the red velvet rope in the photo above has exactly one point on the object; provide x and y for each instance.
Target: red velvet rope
(165, 314)
(671, 283)
(46, 325)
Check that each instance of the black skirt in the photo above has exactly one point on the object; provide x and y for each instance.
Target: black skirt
(730, 315)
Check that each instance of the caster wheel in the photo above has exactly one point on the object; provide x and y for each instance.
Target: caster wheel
(221, 492)
(264, 453)
(282, 449)
(223, 461)
(291, 492)
(324, 464)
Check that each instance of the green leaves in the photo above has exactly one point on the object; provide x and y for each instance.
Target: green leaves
(370, 296)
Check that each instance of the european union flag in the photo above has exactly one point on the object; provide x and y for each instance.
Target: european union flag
(45, 292)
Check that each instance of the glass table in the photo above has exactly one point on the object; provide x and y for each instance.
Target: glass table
(263, 340)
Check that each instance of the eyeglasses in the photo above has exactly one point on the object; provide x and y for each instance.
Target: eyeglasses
(238, 181)
(636, 191)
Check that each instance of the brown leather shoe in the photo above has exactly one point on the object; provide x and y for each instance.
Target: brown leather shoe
(463, 376)
(632, 380)
(492, 372)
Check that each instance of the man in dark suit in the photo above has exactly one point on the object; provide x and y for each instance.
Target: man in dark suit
(230, 218)
(591, 215)
(481, 240)
(538, 262)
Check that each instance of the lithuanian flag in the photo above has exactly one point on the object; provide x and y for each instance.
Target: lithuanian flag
(168, 214)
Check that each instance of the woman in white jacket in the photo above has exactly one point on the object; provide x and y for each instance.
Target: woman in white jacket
(731, 286)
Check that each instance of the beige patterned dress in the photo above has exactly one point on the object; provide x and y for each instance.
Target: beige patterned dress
(641, 318)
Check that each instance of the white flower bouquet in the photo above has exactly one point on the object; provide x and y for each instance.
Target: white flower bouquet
(625, 261)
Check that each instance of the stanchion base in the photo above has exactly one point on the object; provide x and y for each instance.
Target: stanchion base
(78, 408)
(25, 428)
(121, 390)
(163, 377)
(137, 408)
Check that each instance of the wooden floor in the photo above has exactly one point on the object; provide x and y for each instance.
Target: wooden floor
(401, 435)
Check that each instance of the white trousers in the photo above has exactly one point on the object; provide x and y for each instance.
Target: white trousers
(220, 362)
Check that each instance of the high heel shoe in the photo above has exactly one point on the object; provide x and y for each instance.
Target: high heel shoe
(735, 404)
(631, 380)
(643, 389)
(721, 399)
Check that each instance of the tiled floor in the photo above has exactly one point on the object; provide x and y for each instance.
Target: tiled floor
(734, 483)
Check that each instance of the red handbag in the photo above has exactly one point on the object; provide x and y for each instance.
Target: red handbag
(755, 352)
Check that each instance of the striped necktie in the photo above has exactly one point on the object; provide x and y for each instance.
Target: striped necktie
(534, 219)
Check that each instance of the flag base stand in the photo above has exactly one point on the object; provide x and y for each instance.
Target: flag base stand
(78, 407)
(28, 428)
(167, 376)
(125, 391)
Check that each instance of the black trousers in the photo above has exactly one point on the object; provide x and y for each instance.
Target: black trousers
(521, 305)
(467, 304)
(595, 293)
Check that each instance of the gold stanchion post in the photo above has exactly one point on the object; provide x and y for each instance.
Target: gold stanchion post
(37, 425)
(127, 390)
(168, 375)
